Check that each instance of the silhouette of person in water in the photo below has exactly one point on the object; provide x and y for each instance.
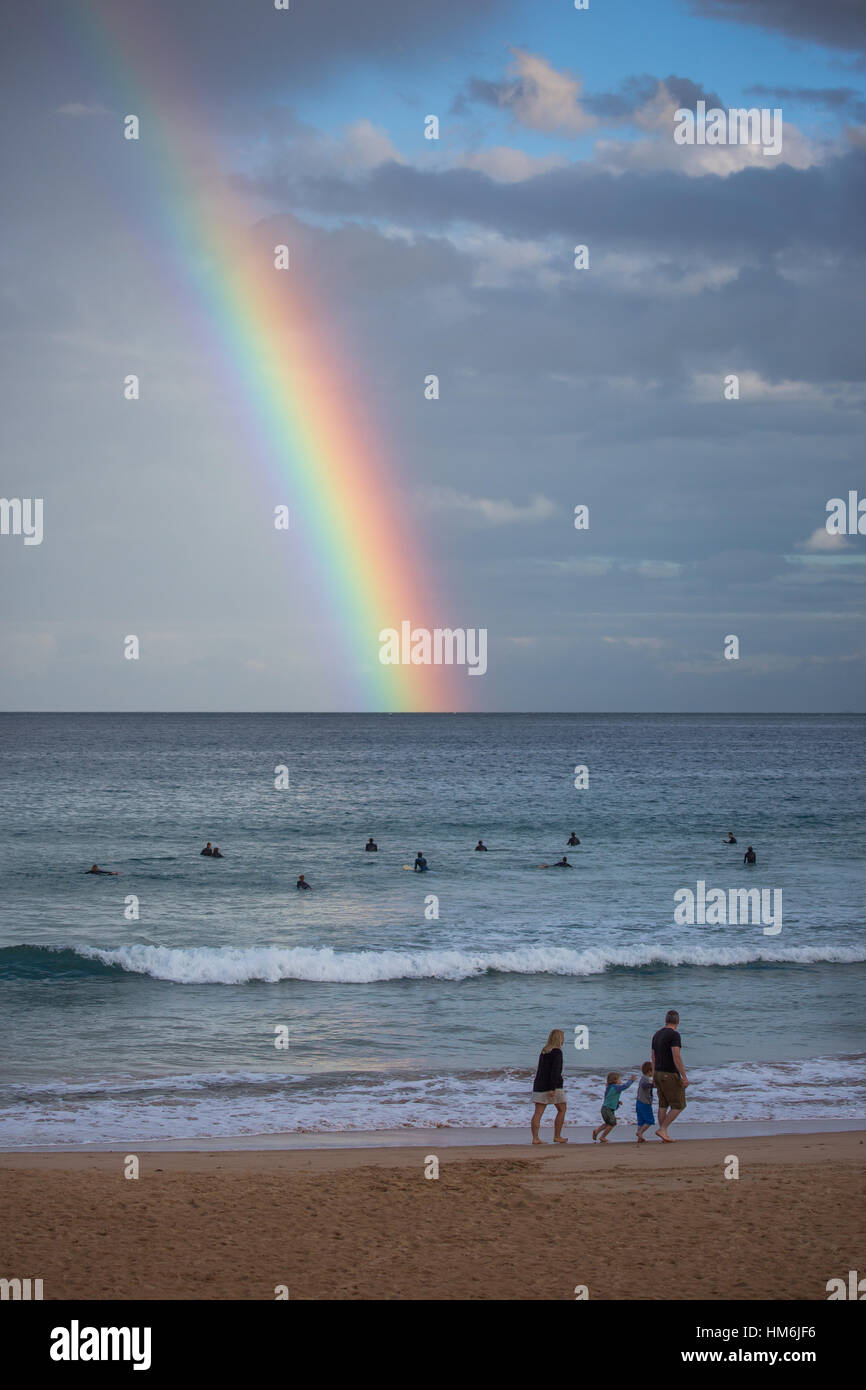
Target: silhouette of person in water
(730, 840)
(207, 850)
(750, 857)
(420, 865)
(481, 845)
(96, 870)
(302, 883)
(371, 847)
(216, 854)
(572, 839)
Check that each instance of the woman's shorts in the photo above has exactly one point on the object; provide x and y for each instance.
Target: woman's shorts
(645, 1114)
(608, 1115)
(544, 1097)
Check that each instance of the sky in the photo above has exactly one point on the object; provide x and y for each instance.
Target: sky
(558, 387)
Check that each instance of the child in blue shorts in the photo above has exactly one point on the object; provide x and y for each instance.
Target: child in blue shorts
(644, 1102)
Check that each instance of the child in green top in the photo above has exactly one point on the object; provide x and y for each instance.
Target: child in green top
(610, 1104)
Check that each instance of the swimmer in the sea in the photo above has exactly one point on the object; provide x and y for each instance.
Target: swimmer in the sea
(96, 870)
(730, 840)
(302, 883)
(750, 857)
(560, 864)
(371, 847)
(481, 845)
(572, 839)
(420, 864)
(216, 854)
(207, 850)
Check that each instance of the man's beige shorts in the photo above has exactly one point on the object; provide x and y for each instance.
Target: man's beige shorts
(670, 1088)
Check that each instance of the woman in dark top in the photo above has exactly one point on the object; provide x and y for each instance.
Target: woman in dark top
(547, 1087)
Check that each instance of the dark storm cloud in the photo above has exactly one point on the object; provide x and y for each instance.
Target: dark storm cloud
(754, 210)
(555, 384)
(843, 101)
(620, 106)
(836, 23)
(259, 47)
(479, 91)
(617, 107)
(756, 322)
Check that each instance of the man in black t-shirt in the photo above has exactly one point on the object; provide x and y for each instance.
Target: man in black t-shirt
(669, 1074)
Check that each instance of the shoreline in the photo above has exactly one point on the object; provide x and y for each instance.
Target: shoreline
(499, 1222)
(469, 1137)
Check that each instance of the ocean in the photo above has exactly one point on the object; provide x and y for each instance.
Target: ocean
(233, 1005)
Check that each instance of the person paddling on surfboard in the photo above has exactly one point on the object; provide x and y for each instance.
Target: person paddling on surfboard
(96, 870)
(560, 864)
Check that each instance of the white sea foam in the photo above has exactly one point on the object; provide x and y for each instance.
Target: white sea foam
(234, 1104)
(229, 965)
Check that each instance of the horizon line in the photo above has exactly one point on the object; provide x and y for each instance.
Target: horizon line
(456, 714)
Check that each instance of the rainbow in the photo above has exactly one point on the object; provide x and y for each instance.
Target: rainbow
(309, 427)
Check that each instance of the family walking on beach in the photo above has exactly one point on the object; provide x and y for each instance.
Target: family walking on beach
(665, 1073)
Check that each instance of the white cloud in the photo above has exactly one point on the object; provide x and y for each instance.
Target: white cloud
(658, 273)
(823, 542)
(709, 386)
(657, 569)
(496, 512)
(366, 145)
(592, 564)
(657, 150)
(649, 644)
(543, 98)
(500, 261)
(508, 165)
(82, 108)
(357, 148)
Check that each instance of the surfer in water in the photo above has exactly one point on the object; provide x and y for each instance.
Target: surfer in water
(730, 840)
(302, 883)
(572, 839)
(420, 865)
(560, 864)
(96, 870)
(371, 847)
(208, 851)
(750, 857)
(481, 845)
(216, 854)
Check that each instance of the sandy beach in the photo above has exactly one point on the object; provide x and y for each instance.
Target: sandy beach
(499, 1222)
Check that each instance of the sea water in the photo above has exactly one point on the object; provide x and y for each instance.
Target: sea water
(412, 1001)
